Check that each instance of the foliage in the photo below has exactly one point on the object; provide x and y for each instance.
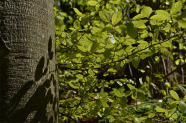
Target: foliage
(103, 49)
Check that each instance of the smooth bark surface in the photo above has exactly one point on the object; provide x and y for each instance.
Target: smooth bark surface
(28, 67)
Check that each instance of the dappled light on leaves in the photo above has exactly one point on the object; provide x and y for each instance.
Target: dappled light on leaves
(118, 57)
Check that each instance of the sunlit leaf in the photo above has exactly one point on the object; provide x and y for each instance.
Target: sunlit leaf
(90, 71)
(77, 11)
(139, 16)
(111, 70)
(118, 93)
(182, 106)
(104, 102)
(139, 23)
(151, 115)
(146, 11)
(96, 30)
(121, 29)
(176, 8)
(131, 87)
(115, 1)
(92, 3)
(81, 48)
(116, 18)
(174, 94)
(182, 23)
(73, 85)
(161, 15)
(79, 76)
(104, 16)
(77, 24)
(158, 109)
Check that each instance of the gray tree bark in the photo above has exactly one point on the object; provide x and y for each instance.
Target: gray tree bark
(28, 66)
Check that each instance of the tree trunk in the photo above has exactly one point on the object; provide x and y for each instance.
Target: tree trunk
(28, 67)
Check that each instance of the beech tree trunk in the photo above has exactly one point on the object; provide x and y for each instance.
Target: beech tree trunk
(28, 66)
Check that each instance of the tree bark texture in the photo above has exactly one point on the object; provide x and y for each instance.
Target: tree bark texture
(28, 66)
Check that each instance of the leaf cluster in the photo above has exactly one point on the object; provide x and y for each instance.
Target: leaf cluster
(99, 46)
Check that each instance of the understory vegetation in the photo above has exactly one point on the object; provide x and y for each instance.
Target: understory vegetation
(121, 61)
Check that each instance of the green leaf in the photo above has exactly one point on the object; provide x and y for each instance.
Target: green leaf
(73, 85)
(146, 11)
(155, 36)
(129, 41)
(173, 106)
(120, 29)
(142, 44)
(151, 115)
(84, 20)
(107, 53)
(107, 111)
(131, 30)
(98, 103)
(176, 8)
(118, 93)
(77, 11)
(81, 48)
(182, 23)
(115, 1)
(79, 76)
(174, 116)
(135, 62)
(116, 18)
(111, 119)
(104, 16)
(141, 95)
(96, 30)
(134, 95)
(161, 15)
(139, 23)
(91, 72)
(158, 109)
(104, 102)
(182, 106)
(92, 3)
(174, 94)
(104, 94)
(94, 46)
(123, 102)
(109, 46)
(131, 87)
(111, 70)
(77, 24)
(139, 16)
(137, 8)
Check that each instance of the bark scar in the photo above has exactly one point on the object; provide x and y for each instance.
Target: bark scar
(4, 49)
